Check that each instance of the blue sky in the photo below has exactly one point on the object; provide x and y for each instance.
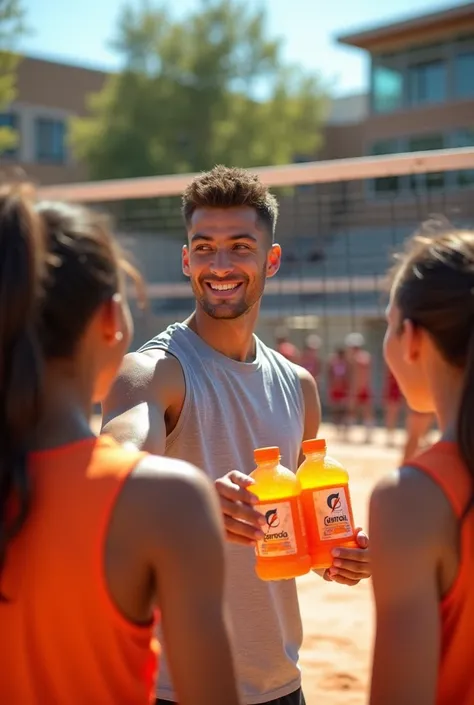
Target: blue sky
(78, 31)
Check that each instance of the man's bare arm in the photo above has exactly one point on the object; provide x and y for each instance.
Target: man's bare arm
(146, 387)
(181, 527)
(312, 406)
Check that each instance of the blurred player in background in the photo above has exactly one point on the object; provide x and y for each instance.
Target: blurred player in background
(393, 403)
(286, 348)
(310, 359)
(360, 393)
(338, 390)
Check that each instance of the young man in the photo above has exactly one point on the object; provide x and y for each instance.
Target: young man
(310, 357)
(209, 390)
(338, 391)
(285, 347)
(360, 372)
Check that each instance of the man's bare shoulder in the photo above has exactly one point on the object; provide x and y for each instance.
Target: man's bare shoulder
(307, 381)
(140, 367)
(154, 375)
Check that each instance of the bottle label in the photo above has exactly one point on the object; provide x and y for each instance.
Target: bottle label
(333, 516)
(280, 537)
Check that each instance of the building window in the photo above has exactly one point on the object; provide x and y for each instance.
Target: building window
(464, 138)
(464, 75)
(10, 120)
(427, 83)
(50, 140)
(387, 86)
(426, 143)
(386, 184)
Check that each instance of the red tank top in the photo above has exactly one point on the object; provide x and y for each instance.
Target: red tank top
(444, 465)
(62, 640)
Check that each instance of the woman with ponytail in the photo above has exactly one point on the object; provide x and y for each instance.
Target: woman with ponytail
(421, 518)
(93, 538)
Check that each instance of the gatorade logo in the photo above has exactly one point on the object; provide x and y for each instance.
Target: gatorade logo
(334, 502)
(272, 519)
(273, 522)
(335, 505)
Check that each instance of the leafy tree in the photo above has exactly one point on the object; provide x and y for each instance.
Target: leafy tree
(210, 87)
(11, 29)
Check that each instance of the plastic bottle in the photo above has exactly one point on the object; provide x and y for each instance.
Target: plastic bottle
(283, 551)
(326, 503)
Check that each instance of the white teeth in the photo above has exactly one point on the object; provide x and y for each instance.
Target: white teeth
(223, 287)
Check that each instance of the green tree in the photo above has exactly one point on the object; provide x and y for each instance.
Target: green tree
(11, 29)
(210, 87)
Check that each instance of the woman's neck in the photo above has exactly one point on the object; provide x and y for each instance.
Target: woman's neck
(447, 394)
(66, 410)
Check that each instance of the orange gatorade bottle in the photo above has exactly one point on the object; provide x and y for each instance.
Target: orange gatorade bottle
(326, 503)
(283, 551)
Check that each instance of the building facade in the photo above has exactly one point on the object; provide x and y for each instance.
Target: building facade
(421, 87)
(48, 95)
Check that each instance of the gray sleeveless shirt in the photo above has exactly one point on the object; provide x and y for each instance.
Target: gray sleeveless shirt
(230, 409)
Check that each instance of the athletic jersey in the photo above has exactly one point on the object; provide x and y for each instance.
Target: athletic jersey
(230, 409)
(392, 391)
(338, 379)
(62, 639)
(455, 682)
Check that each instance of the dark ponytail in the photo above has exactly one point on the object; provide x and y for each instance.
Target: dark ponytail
(21, 264)
(434, 288)
(465, 430)
(58, 264)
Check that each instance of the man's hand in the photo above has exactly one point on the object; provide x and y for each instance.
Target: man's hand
(350, 565)
(242, 522)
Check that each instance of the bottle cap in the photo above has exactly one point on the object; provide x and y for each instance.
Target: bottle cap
(266, 455)
(314, 445)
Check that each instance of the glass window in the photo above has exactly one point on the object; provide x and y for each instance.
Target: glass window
(464, 75)
(9, 120)
(50, 140)
(427, 83)
(464, 138)
(436, 47)
(387, 184)
(426, 143)
(387, 87)
(465, 39)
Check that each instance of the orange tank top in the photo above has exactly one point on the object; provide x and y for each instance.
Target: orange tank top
(62, 640)
(444, 465)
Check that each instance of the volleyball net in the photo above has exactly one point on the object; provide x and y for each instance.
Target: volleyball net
(340, 223)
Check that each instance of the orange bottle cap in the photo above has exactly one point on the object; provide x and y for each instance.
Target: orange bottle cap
(314, 445)
(266, 455)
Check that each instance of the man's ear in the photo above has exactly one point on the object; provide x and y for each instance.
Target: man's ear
(273, 260)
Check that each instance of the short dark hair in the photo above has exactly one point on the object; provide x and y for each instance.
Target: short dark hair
(228, 187)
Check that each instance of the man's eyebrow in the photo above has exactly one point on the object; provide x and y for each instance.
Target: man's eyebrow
(201, 236)
(238, 236)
